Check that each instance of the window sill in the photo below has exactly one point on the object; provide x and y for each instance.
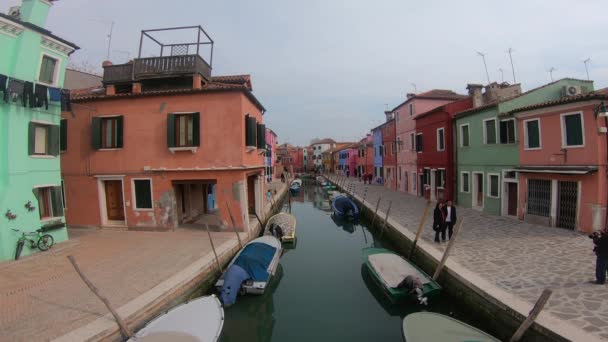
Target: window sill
(493, 197)
(192, 149)
(532, 148)
(50, 220)
(574, 146)
(47, 84)
(110, 149)
(250, 148)
(42, 156)
(144, 209)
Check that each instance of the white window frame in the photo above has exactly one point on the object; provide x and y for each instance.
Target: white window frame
(540, 140)
(489, 186)
(485, 135)
(47, 127)
(514, 132)
(133, 195)
(55, 72)
(443, 134)
(563, 128)
(439, 172)
(413, 141)
(468, 182)
(415, 182)
(461, 140)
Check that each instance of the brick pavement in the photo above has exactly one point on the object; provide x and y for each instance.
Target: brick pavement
(516, 256)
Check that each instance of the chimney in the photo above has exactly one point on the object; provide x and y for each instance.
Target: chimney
(475, 93)
(389, 115)
(35, 11)
(106, 63)
(410, 95)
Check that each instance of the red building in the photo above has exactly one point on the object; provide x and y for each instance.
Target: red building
(389, 154)
(436, 158)
(365, 156)
(291, 157)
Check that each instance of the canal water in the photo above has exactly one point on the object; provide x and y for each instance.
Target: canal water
(321, 291)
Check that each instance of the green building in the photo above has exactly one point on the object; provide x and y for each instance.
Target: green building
(487, 149)
(30, 180)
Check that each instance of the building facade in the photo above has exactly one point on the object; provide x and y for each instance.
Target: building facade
(348, 161)
(365, 156)
(378, 152)
(270, 155)
(389, 151)
(31, 195)
(318, 148)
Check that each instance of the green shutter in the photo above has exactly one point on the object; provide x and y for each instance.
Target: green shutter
(504, 132)
(119, 131)
(143, 194)
(96, 133)
(574, 130)
(31, 138)
(53, 140)
(63, 136)
(170, 130)
(196, 129)
(490, 132)
(57, 201)
(251, 128)
(261, 135)
(533, 134)
(465, 136)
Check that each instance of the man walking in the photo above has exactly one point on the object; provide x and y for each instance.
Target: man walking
(450, 219)
(600, 239)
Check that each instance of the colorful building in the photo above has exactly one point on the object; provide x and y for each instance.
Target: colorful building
(404, 113)
(270, 156)
(378, 152)
(318, 148)
(31, 138)
(488, 149)
(389, 156)
(435, 160)
(291, 157)
(365, 156)
(563, 156)
(165, 144)
(348, 160)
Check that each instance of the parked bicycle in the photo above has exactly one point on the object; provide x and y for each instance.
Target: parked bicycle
(36, 240)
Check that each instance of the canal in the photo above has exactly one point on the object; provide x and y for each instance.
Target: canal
(321, 291)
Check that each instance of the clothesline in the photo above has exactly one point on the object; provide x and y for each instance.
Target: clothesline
(34, 97)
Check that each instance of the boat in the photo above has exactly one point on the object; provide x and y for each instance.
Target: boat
(295, 185)
(320, 180)
(201, 319)
(389, 269)
(430, 326)
(286, 222)
(333, 194)
(250, 270)
(347, 225)
(344, 207)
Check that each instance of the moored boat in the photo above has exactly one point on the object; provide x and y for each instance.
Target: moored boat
(201, 319)
(344, 207)
(295, 185)
(429, 326)
(390, 271)
(282, 226)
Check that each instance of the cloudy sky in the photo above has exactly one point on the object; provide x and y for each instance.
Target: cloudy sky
(326, 68)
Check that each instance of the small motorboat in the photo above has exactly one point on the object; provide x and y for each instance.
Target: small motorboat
(399, 278)
(295, 185)
(333, 194)
(201, 319)
(320, 180)
(250, 270)
(282, 226)
(429, 326)
(344, 207)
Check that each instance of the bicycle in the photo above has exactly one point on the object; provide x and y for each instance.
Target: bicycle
(43, 241)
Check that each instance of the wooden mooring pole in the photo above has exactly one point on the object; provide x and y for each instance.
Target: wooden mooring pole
(419, 231)
(234, 225)
(124, 329)
(390, 204)
(448, 249)
(536, 309)
(364, 195)
(217, 259)
(376, 212)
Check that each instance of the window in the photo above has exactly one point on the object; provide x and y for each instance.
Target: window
(63, 135)
(405, 178)
(43, 139)
(489, 131)
(493, 188)
(427, 176)
(419, 142)
(440, 139)
(414, 181)
(50, 201)
(464, 182)
(572, 130)
(398, 144)
(507, 131)
(107, 132)
(250, 131)
(464, 135)
(261, 135)
(532, 134)
(411, 109)
(440, 178)
(412, 141)
(380, 150)
(47, 70)
(63, 193)
(399, 172)
(539, 197)
(142, 193)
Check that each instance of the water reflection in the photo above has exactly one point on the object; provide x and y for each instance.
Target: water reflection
(345, 224)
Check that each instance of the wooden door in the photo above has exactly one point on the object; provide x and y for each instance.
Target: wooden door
(114, 204)
(512, 199)
(479, 180)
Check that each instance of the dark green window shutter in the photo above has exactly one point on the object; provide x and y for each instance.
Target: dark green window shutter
(63, 136)
(503, 132)
(574, 130)
(251, 139)
(143, 194)
(53, 140)
(490, 132)
(196, 129)
(246, 129)
(119, 131)
(31, 138)
(170, 130)
(57, 201)
(533, 134)
(96, 133)
(261, 136)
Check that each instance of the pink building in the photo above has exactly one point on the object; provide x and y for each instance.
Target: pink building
(347, 160)
(563, 156)
(406, 132)
(271, 150)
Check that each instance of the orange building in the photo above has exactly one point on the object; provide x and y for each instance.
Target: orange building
(164, 144)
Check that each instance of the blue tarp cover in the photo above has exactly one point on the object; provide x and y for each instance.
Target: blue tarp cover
(255, 259)
(234, 277)
(342, 204)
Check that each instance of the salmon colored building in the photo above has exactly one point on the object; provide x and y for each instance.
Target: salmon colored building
(389, 158)
(165, 144)
(365, 156)
(271, 154)
(436, 156)
(291, 157)
(563, 157)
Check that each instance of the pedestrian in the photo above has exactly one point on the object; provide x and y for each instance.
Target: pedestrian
(450, 218)
(600, 240)
(268, 195)
(439, 221)
(347, 173)
(282, 178)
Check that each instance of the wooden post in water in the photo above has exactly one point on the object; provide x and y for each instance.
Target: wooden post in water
(536, 309)
(376, 212)
(364, 195)
(234, 225)
(390, 203)
(124, 329)
(448, 248)
(420, 227)
(219, 265)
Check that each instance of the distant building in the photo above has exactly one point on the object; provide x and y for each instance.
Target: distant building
(365, 156)
(75, 79)
(270, 156)
(318, 148)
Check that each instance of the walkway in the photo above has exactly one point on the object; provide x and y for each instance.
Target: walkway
(518, 257)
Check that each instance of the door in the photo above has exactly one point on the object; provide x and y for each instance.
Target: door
(477, 190)
(433, 188)
(512, 199)
(114, 203)
(251, 194)
(567, 199)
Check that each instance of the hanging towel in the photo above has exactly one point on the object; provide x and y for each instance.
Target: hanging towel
(66, 102)
(15, 88)
(28, 95)
(3, 89)
(55, 94)
(41, 96)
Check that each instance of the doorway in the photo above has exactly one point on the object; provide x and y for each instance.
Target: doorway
(115, 210)
(251, 194)
(567, 200)
(477, 200)
(511, 198)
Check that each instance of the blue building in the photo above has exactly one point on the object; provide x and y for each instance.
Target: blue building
(378, 152)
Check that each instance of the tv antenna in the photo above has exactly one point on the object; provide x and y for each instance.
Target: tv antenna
(502, 75)
(586, 61)
(415, 88)
(509, 51)
(483, 57)
(551, 70)
(110, 40)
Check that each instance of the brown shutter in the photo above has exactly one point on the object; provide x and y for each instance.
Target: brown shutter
(53, 140)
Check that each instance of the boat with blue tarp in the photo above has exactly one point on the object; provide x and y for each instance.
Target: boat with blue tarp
(344, 207)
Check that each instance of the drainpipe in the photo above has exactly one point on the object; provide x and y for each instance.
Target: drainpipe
(606, 147)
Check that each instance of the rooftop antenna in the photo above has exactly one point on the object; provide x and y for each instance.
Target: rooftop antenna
(512, 68)
(551, 70)
(483, 57)
(502, 75)
(586, 61)
(110, 40)
(415, 89)
(386, 107)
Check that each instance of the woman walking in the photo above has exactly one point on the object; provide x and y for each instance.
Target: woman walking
(438, 221)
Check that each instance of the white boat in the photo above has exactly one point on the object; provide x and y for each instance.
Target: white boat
(429, 326)
(286, 222)
(201, 319)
